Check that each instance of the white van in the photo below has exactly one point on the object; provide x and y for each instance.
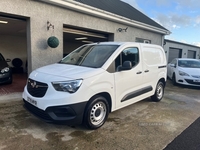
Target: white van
(94, 80)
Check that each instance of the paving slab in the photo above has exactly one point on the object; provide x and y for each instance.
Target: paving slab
(145, 125)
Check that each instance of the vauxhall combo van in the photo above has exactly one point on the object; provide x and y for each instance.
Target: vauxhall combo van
(94, 80)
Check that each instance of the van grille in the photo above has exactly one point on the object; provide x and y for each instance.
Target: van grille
(36, 89)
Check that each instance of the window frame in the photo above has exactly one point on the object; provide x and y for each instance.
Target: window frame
(120, 57)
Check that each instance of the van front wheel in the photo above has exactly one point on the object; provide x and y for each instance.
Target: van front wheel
(96, 112)
(159, 92)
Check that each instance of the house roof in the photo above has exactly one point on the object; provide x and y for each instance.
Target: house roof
(177, 42)
(122, 9)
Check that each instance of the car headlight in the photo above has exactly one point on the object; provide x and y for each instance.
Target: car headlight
(5, 70)
(181, 73)
(67, 86)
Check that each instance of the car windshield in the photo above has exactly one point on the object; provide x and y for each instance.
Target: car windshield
(189, 63)
(90, 55)
(1, 57)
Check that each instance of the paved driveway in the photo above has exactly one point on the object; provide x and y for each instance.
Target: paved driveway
(145, 125)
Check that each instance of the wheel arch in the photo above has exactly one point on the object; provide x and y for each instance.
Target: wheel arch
(106, 95)
(162, 80)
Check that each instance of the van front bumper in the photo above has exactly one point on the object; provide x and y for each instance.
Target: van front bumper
(67, 114)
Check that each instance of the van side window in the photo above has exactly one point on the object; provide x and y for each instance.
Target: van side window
(129, 54)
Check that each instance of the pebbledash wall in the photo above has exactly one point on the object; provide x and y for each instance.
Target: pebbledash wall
(37, 13)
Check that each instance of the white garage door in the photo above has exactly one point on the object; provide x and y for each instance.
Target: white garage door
(174, 53)
(191, 54)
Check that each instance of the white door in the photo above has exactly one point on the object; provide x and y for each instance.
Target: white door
(129, 83)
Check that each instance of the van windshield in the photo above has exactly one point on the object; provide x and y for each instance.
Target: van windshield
(90, 55)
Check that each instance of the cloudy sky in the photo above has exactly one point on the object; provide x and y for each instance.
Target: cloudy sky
(181, 17)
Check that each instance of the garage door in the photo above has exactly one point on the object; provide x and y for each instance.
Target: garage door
(174, 53)
(191, 54)
(75, 37)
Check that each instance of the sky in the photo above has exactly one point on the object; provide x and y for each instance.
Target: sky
(180, 17)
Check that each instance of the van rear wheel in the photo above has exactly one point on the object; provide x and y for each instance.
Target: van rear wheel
(159, 92)
(96, 112)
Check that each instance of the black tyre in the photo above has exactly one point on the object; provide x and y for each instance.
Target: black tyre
(159, 92)
(17, 62)
(174, 79)
(96, 112)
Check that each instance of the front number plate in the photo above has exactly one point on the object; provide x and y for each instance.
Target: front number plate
(197, 81)
(34, 102)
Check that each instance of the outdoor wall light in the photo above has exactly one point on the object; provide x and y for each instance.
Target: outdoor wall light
(87, 41)
(49, 25)
(81, 38)
(121, 29)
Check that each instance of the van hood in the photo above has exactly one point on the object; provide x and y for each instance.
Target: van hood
(69, 71)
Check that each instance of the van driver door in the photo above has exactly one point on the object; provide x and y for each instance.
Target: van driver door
(129, 84)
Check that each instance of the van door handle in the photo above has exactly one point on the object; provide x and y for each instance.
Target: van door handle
(139, 72)
(146, 71)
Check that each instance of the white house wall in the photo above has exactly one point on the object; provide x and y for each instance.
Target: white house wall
(38, 13)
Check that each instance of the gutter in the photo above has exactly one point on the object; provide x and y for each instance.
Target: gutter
(76, 6)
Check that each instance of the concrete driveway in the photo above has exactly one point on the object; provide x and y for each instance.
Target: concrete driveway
(145, 125)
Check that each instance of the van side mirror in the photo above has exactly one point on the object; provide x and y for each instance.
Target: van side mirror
(127, 65)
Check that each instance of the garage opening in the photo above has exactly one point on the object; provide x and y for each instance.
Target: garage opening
(75, 37)
(174, 53)
(13, 47)
(191, 54)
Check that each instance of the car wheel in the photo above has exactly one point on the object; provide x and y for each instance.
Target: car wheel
(174, 79)
(159, 92)
(96, 112)
(17, 62)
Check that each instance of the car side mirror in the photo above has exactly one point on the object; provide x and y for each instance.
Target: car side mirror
(127, 65)
(8, 60)
(173, 65)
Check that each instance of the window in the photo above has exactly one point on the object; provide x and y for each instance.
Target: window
(140, 40)
(129, 54)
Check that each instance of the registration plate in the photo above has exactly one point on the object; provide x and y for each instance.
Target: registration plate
(197, 81)
(34, 102)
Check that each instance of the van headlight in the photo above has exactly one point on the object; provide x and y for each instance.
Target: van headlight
(67, 86)
(181, 73)
(5, 70)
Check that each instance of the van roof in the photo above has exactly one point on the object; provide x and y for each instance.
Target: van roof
(122, 43)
